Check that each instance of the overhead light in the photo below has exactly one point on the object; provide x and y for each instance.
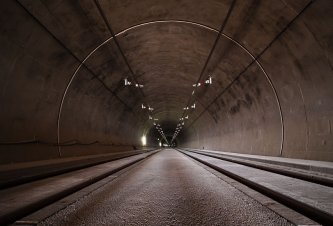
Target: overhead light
(209, 81)
(127, 83)
(143, 140)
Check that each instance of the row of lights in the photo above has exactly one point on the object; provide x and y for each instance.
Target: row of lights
(129, 83)
(150, 110)
(160, 130)
(208, 81)
(181, 123)
(150, 117)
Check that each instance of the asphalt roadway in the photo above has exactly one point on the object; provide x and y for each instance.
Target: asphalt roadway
(168, 188)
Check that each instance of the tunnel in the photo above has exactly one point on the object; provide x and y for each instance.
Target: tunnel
(64, 64)
(94, 77)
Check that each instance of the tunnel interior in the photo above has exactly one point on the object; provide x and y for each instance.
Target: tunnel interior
(91, 77)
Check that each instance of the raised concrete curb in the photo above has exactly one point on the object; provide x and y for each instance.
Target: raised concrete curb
(282, 210)
(16, 174)
(311, 176)
(21, 200)
(303, 164)
(312, 200)
(36, 217)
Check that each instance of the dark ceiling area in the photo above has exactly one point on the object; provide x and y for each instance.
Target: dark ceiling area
(96, 76)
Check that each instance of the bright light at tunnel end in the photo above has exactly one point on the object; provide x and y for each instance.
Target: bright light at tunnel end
(143, 140)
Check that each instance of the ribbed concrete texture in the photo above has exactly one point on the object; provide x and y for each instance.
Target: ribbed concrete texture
(166, 189)
(64, 64)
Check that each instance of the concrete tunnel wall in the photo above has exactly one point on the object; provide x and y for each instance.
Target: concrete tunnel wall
(62, 76)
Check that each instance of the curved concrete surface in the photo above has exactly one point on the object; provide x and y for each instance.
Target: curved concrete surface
(63, 65)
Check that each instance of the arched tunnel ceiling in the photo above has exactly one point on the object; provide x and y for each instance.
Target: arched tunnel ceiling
(169, 52)
(165, 46)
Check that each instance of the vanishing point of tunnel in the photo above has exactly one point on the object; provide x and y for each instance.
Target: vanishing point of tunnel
(189, 85)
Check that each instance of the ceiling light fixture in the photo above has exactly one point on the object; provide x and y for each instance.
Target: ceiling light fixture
(138, 85)
(209, 81)
(127, 83)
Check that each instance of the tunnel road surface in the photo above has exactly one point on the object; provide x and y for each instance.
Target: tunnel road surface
(166, 189)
